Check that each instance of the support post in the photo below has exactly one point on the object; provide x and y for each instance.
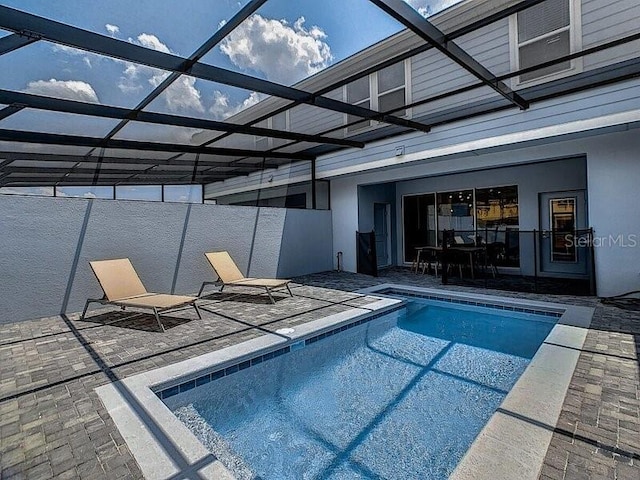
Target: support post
(445, 257)
(536, 239)
(314, 201)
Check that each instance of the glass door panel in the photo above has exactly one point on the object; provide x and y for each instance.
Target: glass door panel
(419, 223)
(563, 226)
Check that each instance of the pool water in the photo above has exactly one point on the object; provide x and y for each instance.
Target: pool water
(400, 397)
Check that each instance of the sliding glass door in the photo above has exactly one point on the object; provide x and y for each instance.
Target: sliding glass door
(419, 215)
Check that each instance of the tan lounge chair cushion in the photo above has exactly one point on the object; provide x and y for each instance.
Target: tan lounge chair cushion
(224, 266)
(118, 278)
(261, 282)
(230, 274)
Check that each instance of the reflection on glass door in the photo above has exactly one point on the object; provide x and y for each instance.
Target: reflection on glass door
(563, 221)
(455, 212)
(563, 226)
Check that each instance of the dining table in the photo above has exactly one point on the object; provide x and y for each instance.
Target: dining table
(471, 249)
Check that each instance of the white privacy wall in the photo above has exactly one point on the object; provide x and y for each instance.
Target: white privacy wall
(613, 171)
(46, 245)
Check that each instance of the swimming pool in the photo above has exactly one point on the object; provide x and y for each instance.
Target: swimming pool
(511, 444)
(400, 396)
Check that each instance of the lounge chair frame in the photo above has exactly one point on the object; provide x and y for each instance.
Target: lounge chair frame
(242, 281)
(156, 311)
(220, 283)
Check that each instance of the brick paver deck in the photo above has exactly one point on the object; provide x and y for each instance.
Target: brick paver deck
(52, 424)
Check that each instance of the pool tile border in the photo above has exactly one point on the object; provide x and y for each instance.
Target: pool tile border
(495, 306)
(231, 369)
(215, 375)
(138, 411)
(514, 442)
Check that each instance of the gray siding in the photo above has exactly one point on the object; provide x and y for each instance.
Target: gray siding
(434, 74)
(612, 99)
(606, 20)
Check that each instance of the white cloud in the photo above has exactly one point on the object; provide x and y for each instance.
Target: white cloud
(68, 50)
(430, 7)
(151, 41)
(182, 95)
(46, 191)
(283, 53)
(221, 107)
(86, 56)
(112, 29)
(67, 89)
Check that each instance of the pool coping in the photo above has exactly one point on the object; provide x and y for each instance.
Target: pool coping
(515, 440)
(511, 445)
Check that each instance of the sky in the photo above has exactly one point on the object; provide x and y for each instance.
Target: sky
(284, 41)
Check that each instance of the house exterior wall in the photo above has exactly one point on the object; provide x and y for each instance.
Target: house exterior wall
(571, 109)
(611, 159)
(46, 245)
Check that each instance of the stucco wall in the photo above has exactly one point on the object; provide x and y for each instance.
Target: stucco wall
(46, 244)
(613, 171)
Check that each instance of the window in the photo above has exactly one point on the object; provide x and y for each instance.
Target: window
(358, 93)
(545, 32)
(382, 91)
(85, 192)
(487, 215)
(455, 212)
(41, 191)
(497, 223)
(391, 89)
(183, 193)
(139, 192)
(563, 227)
(276, 122)
(497, 207)
(419, 214)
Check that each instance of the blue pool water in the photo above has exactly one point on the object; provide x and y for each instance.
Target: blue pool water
(400, 397)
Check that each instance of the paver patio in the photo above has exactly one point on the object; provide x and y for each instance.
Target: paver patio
(52, 424)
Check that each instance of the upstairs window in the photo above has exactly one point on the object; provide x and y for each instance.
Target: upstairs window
(382, 91)
(358, 93)
(545, 32)
(276, 122)
(391, 89)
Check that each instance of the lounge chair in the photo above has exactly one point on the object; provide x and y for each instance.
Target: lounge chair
(122, 287)
(229, 275)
